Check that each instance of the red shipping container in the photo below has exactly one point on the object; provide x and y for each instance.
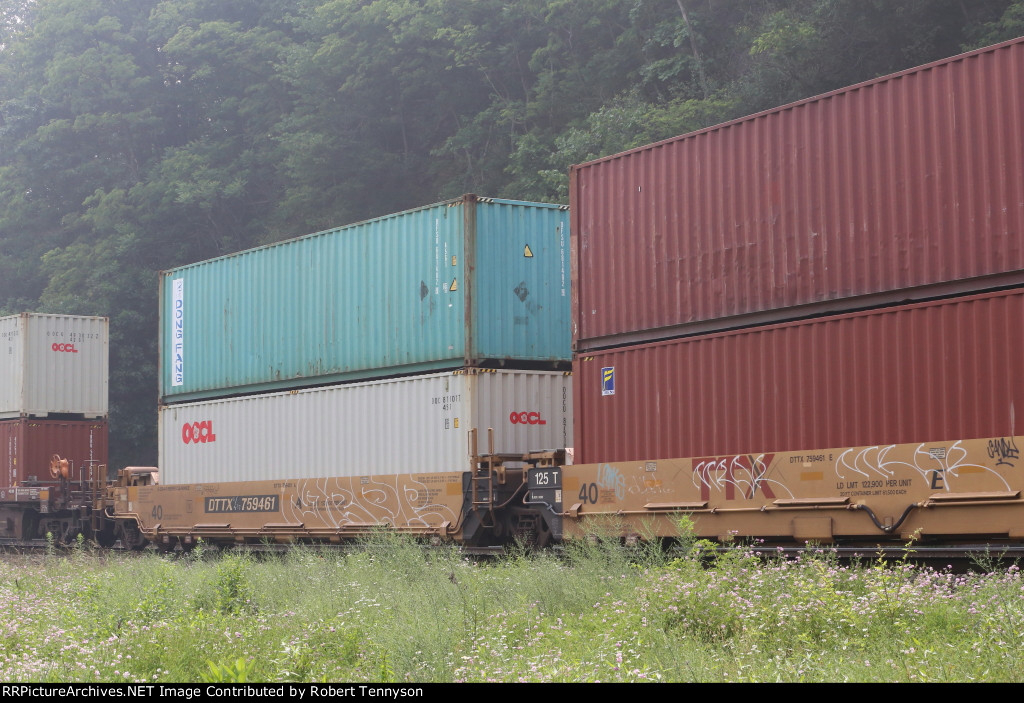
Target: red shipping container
(944, 370)
(900, 188)
(30, 444)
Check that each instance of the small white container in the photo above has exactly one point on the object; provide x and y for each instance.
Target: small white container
(53, 365)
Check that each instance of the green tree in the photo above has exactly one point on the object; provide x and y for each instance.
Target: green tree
(992, 30)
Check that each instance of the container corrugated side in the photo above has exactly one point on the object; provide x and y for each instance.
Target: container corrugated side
(900, 188)
(53, 364)
(28, 445)
(415, 424)
(439, 287)
(943, 370)
(521, 305)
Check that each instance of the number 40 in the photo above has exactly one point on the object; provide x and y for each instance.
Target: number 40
(588, 493)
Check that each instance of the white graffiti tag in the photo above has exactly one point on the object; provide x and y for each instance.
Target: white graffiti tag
(398, 501)
(745, 474)
(936, 464)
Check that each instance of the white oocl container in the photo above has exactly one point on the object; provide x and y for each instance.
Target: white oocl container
(53, 365)
(414, 424)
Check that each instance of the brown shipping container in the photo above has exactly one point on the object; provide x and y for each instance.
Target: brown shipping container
(937, 371)
(900, 188)
(30, 444)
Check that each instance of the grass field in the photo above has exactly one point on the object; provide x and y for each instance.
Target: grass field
(392, 611)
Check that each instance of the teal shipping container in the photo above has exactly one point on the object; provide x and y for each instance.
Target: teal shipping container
(467, 282)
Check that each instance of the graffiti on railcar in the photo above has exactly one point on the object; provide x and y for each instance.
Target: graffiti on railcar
(884, 468)
(743, 474)
(1005, 450)
(610, 479)
(393, 500)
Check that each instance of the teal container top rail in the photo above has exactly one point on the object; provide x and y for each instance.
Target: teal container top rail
(466, 282)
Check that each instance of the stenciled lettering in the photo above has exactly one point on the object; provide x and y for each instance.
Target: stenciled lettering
(178, 332)
(242, 504)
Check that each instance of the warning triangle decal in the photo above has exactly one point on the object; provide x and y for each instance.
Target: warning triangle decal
(454, 285)
(528, 252)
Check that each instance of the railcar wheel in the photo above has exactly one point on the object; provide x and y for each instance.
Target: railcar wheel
(30, 525)
(130, 535)
(168, 546)
(106, 537)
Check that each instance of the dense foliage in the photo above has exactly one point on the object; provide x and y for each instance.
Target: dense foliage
(138, 135)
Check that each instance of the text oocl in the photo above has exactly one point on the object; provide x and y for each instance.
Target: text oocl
(57, 347)
(198, 432)
(526, 419)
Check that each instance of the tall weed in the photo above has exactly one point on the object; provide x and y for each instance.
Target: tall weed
(600, 611)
